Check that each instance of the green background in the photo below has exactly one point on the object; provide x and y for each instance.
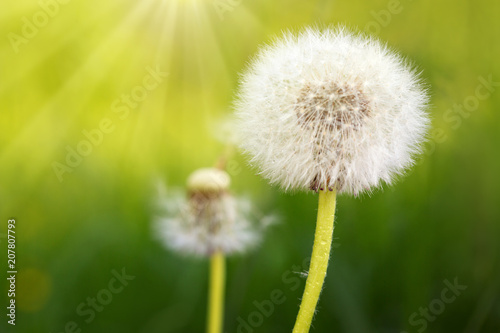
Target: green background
(393, 249)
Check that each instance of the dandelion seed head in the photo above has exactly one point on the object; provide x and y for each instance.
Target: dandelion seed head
(330, 109)
(207, 218)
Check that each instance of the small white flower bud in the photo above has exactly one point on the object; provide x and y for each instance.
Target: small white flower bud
(208, 180)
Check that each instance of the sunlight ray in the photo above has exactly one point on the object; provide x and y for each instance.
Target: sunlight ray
(47, 52)
(24, 138)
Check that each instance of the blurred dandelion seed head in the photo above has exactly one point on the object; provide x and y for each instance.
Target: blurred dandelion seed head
(209, 219)
(330, 109)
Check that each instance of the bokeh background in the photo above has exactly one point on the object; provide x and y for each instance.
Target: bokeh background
(64, 73)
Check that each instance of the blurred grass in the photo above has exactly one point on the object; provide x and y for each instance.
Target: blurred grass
(393, 249)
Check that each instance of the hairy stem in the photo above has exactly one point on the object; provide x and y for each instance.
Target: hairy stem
(319, 260)
(216, 293)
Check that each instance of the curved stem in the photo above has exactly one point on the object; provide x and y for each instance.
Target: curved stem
(319, 261)
(216, 293)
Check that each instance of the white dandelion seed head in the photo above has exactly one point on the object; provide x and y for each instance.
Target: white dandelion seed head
(330, 109)
(209, 219)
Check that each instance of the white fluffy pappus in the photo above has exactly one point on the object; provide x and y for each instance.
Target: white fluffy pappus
(330, 109)
(208, 218)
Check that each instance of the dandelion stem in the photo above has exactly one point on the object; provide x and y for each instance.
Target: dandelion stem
(319, 260)
(216, 293)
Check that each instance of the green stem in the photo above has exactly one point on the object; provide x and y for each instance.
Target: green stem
(319, 261)
(216, 293)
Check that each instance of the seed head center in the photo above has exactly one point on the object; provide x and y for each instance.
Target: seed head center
(329, 107)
